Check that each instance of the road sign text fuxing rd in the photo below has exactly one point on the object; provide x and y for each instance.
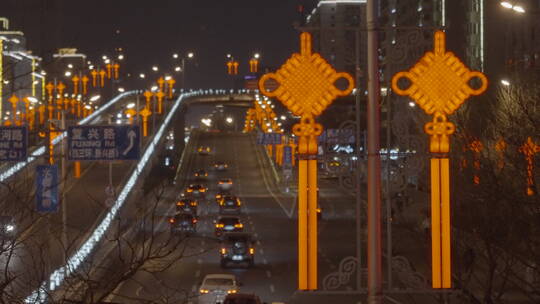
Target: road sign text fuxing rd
(103, 143)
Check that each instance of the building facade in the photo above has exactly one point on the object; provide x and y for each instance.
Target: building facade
(20, 71)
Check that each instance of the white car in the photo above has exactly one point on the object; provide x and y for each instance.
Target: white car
(215, 287)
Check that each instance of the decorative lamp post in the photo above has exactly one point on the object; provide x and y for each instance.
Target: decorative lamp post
(439, 84)
(306, 88)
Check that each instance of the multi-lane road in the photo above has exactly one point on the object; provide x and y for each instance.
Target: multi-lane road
(267, 212)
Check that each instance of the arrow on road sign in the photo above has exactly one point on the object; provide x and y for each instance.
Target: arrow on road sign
(131, 134)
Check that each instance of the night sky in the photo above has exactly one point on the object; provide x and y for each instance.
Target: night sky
(151, 31)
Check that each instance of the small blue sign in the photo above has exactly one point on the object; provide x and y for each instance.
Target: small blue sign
(47, 188)
(287, 155)
(104, 143)
(260, 138)
(13, 143)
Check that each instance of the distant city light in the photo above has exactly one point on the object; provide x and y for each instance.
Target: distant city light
(175, 56)
(142, 76)
(121, 57)
(190, 55)
(505, 82)
(155, 68)
(130, 106)
(68, 73)
(95, 97)
(121, 90)
(70, 66)
(178, 69)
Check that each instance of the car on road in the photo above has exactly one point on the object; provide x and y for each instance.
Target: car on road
(187, 205)
(228, 224)
(204, 150)
(237, 248)
(221, 193)
(215, 287)
(229, 204)
(242, 298)
(221, 166)
(196, 189)
(225, 184)
(183, 223)
(201, 174)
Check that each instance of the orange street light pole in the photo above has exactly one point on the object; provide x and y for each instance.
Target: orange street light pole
(148, 95)
(160, 96)
(161, 82)
(94, 74)
(306, 88)
(116, 68)
(171, 83)
(529, 149)
(145, 113)
(13, 100)
(109, 70)
(75, 80)
(85, 84)
(439, 84)
(102, 78)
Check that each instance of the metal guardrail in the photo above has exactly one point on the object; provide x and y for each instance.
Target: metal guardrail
(9, 172)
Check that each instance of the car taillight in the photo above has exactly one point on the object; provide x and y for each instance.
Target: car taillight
(239, 225)
(220, 182)
(239, 202)
(202, 190)
(189, 190)
(194, 221)
(223, 250)
(231, 291)
(193, 204)
(251, 251)
(171, 220)
(179, 204)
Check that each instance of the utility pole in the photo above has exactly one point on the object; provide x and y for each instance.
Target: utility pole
(63, 185)
(374, 159)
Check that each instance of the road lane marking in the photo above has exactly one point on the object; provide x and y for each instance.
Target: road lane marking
(272, 289)
(265, 262)
(138, 292)
(268, 274)
(197, 273)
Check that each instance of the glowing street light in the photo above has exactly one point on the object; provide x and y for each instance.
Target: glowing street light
(229, 120)
(121, 90)
(142, 76)
(175, 56)
(121, 57)
(177, 69)
(505, 82)
(95, 97)
(155, 68)
(516, 8)
(190, 55)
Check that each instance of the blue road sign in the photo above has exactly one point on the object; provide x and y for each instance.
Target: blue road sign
(13, 143)
(260, 138)
(104, 143)
(47, 188)
(287, 155)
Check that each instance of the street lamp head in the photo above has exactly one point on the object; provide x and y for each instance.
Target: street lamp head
(229, 55)
(107, 61)
(257, 55)
(104, 57)
(519, 9)
(175, 56)
(70, 66)
(121, 90)
(95, 97)
(67, 74)
(190, 55)
(130, 106)
(506, 4)
(142, 76)
(178, 69)
(121, 57)
(229, 120)
(505, 82)
(155, 68)
(32, 99)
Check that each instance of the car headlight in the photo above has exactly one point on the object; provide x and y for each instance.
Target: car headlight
(202, 290)
(232, 291)
(10, 228)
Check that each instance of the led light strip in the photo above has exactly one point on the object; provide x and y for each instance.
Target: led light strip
(41, 150)
(58, 276)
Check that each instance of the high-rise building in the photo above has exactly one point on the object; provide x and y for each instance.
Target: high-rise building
(20, 72)
(337, 27)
